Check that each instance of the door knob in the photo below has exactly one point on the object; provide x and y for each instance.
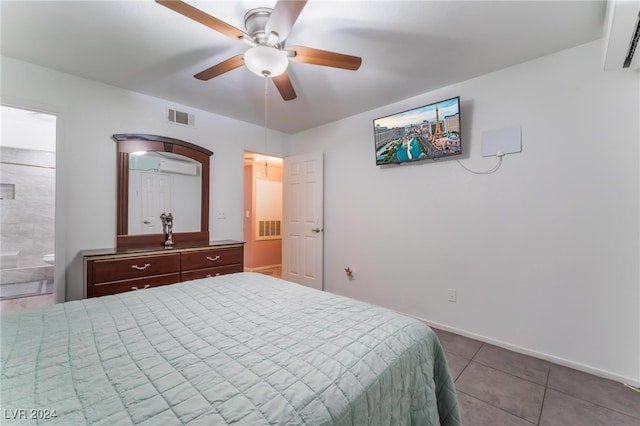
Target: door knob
(316, 230)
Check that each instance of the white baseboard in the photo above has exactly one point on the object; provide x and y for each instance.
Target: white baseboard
(551, 358)
(261, 268)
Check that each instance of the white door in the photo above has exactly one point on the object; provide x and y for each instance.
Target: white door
(157, 197)
(302, 219)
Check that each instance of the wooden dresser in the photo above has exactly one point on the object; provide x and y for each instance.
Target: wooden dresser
(113, 271)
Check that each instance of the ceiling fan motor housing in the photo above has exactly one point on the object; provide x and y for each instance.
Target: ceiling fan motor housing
(255, 22)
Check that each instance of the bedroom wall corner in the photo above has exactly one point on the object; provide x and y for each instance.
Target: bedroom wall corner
(544, 253)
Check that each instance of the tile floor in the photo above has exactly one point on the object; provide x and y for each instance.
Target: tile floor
(27, 302)
(497, 387)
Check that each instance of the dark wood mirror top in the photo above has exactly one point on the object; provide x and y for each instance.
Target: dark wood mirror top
(170, 142)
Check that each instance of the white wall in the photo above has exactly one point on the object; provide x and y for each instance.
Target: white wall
(544, 254)
(89, 113)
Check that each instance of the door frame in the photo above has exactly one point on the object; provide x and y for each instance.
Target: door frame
(60, 246)
(259, 247)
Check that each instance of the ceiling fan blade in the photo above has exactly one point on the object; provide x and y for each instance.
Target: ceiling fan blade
(204, 18)
(283, 83)
(284, 15)
(224, 66)
(309, 55)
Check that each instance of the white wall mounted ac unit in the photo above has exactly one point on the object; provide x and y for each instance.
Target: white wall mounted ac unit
(622, 30)
(179, 167)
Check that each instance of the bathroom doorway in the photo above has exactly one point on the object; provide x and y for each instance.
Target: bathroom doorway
(27, 203)
(263, 213)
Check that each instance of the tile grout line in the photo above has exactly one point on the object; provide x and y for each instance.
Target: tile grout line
(544, 395)
(509, 374)
(514, 376)
(545, 387)
(588, 401)
(596, 404)
(462, 371)
(499, 408)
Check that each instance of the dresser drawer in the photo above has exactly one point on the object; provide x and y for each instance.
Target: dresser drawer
(138, 284)
(106, 270)
(202, 259)
(210, 272)
(115, 272)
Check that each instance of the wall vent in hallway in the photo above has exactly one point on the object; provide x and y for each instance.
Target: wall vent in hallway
(182, 118)
(268, 229)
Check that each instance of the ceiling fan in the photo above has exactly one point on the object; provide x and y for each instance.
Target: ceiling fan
(266, 32)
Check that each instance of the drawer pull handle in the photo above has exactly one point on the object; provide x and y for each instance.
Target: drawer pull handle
(213, 259)
(211, 276)
(141, 268)
(135, 287)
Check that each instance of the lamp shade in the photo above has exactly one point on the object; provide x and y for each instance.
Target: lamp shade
(266, 61)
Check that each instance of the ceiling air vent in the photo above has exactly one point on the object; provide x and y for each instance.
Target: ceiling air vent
(182, 118)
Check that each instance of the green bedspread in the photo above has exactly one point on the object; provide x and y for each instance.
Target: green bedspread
(244, 349)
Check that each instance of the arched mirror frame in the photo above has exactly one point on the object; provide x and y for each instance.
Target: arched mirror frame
(128, 143)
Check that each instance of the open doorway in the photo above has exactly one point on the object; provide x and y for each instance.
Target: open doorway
(27, 201)
(263, 213)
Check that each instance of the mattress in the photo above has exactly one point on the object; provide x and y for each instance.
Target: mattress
(243, 349)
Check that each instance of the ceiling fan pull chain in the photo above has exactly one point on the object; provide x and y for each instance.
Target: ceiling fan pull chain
(266, 164)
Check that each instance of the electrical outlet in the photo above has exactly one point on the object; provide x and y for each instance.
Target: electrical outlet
(452, 295)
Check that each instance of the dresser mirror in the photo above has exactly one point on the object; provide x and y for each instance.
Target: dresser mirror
(160, 175)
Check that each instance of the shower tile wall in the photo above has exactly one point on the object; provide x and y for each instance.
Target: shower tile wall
(27, 223)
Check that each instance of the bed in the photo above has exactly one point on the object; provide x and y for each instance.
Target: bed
(244, 348)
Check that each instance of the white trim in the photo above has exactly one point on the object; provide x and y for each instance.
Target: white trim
(541, 355)
(262, 268)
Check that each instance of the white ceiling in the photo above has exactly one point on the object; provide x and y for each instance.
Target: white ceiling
(408, 48)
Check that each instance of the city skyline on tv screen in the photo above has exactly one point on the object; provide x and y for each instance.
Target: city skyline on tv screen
(428, 132)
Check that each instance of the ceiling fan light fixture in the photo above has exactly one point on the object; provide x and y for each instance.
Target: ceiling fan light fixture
(266, 61)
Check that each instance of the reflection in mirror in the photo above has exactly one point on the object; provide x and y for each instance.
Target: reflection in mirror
(163, 182)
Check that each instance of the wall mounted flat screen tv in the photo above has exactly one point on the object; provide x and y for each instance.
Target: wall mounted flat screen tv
(427, 132)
